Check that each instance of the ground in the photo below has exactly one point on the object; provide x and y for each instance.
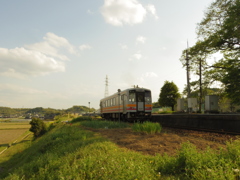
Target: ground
(168, 141)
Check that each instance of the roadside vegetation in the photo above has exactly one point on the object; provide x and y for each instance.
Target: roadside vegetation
(68, 151)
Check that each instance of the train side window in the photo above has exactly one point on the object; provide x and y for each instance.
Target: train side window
(114, 101)
(132, 97)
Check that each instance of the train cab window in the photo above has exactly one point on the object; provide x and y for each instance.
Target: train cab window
(140, 97)
(132, 97)
(147, 96)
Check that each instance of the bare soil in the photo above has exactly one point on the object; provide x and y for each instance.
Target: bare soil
(168, 141)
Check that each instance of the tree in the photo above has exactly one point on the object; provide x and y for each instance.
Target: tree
(231, 80)
(38, 127)
(168, 95)
(219, 31)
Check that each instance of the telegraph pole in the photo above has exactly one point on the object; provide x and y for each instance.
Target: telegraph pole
(200, 84)
(188, 76)
(188, 79)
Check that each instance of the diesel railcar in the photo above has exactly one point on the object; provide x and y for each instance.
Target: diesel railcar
(134, 104)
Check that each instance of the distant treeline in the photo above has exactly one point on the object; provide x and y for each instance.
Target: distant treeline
(16, 112)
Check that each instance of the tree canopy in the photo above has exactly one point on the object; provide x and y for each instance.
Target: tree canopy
(168, 95)
(219, 32)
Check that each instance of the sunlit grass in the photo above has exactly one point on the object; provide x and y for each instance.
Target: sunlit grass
(147, 127)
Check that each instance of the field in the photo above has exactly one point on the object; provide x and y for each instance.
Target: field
(11, 132)
(169, 141)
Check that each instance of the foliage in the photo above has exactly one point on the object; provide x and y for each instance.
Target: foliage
(218, 32)
(38, 127)
(232, 83)
(156, 105)
(168, 95)
(81, 118)
(147, 127)
(80, 109)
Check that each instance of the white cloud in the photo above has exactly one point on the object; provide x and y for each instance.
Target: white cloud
(151, 8)
(20, 62)
(120, 12)
(47, 49)
(36, 59)
(85, 47)
(59, 42)
(141, 39)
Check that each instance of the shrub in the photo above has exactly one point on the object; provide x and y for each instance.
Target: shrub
(147, 127)
(38, 127)
(81, 118)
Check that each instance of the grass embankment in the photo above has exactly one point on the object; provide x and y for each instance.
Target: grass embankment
(70, 152)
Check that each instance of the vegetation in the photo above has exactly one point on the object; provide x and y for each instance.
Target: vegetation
(218, 32)
(147, 127)
(39, 112)
(168, 95)
(70, 152)
(38, 127)
(96, 123)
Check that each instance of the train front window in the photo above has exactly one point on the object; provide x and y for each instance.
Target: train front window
(147, 96)
(132, 97)
(140, 97)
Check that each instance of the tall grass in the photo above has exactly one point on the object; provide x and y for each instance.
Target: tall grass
(147, 127)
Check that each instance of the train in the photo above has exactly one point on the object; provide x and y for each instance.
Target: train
(132, 105)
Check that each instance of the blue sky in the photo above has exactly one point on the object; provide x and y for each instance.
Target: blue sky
(57, 53)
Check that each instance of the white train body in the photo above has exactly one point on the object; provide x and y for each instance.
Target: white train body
(131, 104)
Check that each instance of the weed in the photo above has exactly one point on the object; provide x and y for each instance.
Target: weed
(147, 127)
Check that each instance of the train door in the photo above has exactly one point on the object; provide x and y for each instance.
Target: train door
(140, 101)
(124, 99)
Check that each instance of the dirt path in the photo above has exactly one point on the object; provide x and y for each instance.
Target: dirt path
(168, 141)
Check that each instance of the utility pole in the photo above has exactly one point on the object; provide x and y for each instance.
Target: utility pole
(188, 79)
(200, 84)
(188, 76)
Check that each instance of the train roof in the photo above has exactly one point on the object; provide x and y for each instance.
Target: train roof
(136, 88)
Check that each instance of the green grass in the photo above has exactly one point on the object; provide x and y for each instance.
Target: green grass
(104, 124)
(147, 127)
(165, 112)
(70, 152)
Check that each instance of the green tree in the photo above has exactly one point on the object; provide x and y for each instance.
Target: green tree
(169, 95)
(38, 127)
(219, 32)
